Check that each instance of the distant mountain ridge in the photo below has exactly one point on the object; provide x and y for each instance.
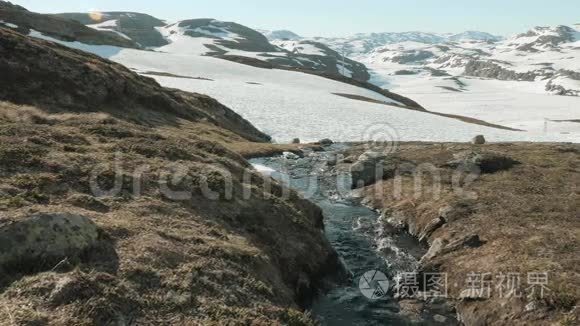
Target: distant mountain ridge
(138, 27)
(24, 21)
(366, 42)
(543, 54)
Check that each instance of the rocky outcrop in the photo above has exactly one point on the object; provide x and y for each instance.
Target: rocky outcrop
(59, 28)
(45, 238)
(93, 84)
(547, 37)
(441, 246)
(140, 28)
(326, 60)
(489, 69)
(412, 57)
(484, 161)
(372, 167)
(478, 140)
(247, 39)
(564, 77)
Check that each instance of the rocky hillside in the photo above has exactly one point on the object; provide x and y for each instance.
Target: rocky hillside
(227, 40)
(146, 216)
(543, 55)
(318, 56)
(24, 21)
(363, 43)
(242, 44)
(494, 217)
(140, 28)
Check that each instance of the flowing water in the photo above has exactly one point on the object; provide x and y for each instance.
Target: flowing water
(363, 243)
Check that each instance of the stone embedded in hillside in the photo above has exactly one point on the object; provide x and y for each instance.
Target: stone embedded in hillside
(332, 160)
(456, 211)
(290, 156)
(45, 238)
(325, 142)
(430, 228)
(372, 167)
(478, 140)
(484, 162)
(441, 246)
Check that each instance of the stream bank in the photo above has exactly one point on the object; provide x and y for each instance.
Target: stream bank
(367, 247)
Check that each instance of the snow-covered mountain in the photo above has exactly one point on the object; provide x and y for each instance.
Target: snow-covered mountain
(549, 57)
(227, 40)
(509, 81)
(366, 42)
(138, 27)
(283, 35)
(473, 74)
(473, 36)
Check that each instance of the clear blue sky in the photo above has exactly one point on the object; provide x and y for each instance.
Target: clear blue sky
(338, 18)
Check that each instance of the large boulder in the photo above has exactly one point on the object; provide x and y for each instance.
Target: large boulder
(478, 140)
(372, 167)
(45, 238)
(325, 142)
(484, 161)
(441, 246)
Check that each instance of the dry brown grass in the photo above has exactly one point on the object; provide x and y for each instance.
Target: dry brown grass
(527, 216)
(162, 262)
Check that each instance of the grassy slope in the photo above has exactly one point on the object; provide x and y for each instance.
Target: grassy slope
(58, 27)
(159, 261)
(527, 216)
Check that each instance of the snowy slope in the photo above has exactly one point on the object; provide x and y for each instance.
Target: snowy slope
(520, 105)
(288, 104)
(509, 82)
(548, 56)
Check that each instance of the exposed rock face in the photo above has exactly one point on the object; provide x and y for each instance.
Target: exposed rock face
(484, 161)
(372, 167)
(555, 86)
(325, 142)
(93, 84)
(442, 247)
(488, 69)
(58, 27)
(45, 238)
(548, 37)
(324, 59)
(247, 39)
(412, 56)
(138, 27)
(478, 140)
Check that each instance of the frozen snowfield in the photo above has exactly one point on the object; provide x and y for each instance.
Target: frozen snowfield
(288, 104)
(519, 105)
